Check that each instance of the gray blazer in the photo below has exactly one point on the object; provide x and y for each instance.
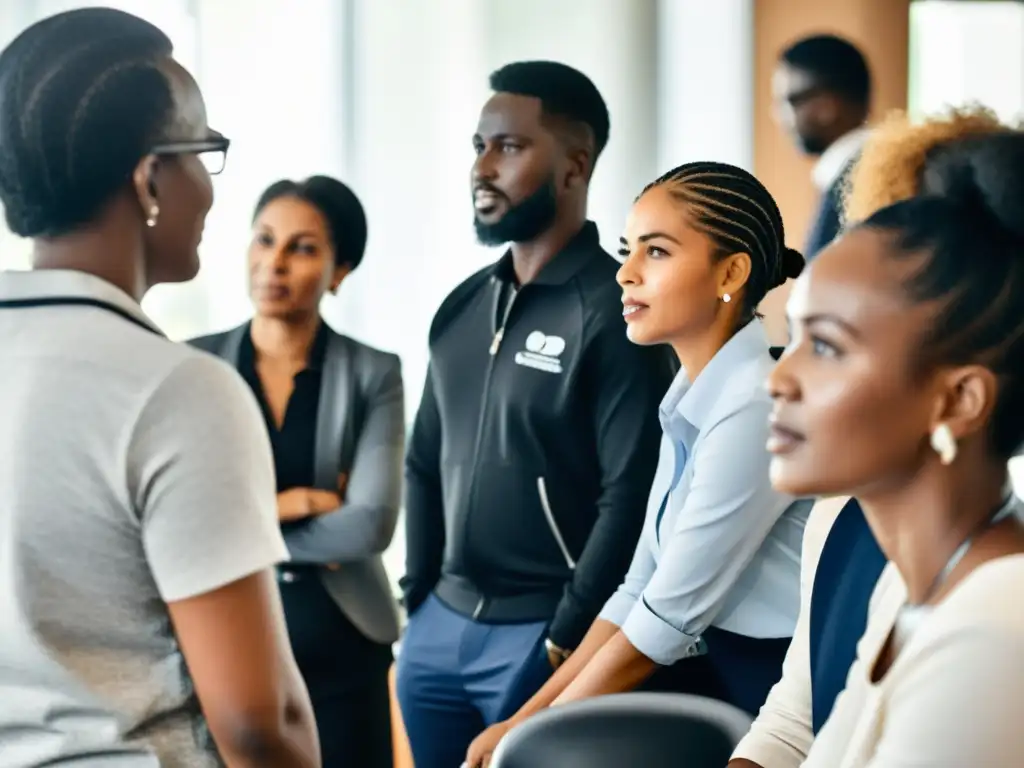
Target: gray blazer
(360, 431)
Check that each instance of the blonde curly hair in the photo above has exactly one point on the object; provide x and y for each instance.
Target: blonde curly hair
(894, 157)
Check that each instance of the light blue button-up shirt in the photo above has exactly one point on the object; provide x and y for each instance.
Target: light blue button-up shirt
(720, 547)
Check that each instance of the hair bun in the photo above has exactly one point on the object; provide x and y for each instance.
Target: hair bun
(792, 264)
(981, 177)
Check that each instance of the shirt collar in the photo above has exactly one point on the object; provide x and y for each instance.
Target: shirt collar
(67, 283)
(833, 161)
(566, 263)
(693, 401)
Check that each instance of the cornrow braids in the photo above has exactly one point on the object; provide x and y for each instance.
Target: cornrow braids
(734, 209)
(82, 100)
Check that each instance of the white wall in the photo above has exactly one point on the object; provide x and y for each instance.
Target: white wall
(274, 77)
(705, 82)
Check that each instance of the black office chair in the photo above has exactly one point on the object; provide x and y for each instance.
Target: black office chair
(628, 730)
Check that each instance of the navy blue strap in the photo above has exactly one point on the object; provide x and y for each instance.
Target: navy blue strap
(848, 569)
(76, 301)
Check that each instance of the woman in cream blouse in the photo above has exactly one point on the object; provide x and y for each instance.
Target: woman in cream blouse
(899, 387)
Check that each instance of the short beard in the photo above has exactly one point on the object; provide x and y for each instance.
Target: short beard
(522, 223)
(812, 145)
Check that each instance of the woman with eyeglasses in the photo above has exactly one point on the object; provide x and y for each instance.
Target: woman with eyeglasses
(138, 531)
(901, 386)
(334, 408)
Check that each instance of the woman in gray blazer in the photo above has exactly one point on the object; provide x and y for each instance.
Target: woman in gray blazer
(334, 411)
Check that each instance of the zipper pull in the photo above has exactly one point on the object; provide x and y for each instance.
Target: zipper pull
(497, 340)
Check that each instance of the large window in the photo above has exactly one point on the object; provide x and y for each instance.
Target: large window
(963, 52)
(284, 113)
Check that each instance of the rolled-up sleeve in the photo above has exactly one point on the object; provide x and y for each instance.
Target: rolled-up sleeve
(727, 512)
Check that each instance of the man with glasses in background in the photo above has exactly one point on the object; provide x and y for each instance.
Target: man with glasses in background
(822, 93)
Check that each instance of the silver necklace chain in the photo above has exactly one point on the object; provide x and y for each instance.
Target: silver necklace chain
(911, 614)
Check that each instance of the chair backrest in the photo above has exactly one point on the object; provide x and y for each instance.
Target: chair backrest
(642, 729)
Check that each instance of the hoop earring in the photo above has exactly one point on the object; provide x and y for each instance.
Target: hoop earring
(154, 212)
(943, 443)
(726, 298)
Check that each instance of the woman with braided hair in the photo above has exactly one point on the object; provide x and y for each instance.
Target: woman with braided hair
(711, 598)
(138, 525)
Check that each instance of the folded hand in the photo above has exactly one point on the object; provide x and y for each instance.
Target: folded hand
(300, 503)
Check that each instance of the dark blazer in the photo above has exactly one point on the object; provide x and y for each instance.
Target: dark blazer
(848, 569)
(361, 432)
(827, 222)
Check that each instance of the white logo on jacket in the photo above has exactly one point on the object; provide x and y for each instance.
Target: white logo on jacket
(542, 352)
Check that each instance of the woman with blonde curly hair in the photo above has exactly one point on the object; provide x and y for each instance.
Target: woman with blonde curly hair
(895, 158)
(842, 561)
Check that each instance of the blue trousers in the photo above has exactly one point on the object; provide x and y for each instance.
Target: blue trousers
(456, 676)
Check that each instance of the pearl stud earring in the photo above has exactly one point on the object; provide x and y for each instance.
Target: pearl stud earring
(943, 443)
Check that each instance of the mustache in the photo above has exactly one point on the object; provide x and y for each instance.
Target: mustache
(490, 190)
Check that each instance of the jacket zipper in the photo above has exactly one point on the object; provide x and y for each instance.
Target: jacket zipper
(485, 397)
(545, 504)
(500, 333)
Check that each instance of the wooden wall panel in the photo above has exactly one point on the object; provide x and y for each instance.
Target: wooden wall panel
(880, 28)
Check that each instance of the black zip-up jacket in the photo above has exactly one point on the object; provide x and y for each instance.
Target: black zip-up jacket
(536, 441)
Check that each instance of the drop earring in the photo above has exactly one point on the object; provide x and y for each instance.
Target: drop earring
(154, 211)
(943, 443)
(726, 298)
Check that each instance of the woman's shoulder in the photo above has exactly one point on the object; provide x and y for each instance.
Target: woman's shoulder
(371, 355)
(214, 342)
(988, 596)
(375, 368)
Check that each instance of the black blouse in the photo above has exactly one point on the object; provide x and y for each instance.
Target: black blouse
(294, 443)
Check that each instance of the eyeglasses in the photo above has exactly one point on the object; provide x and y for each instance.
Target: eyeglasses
(213, 152)
(799, 98)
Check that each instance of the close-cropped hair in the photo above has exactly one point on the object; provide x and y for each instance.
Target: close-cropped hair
(835, 64)
(82, 101)
(966, 233)
(733, 208)
(894, 157)
(564, 93)
(339, 206)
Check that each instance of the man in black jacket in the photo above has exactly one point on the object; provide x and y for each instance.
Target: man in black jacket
(537, 436)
